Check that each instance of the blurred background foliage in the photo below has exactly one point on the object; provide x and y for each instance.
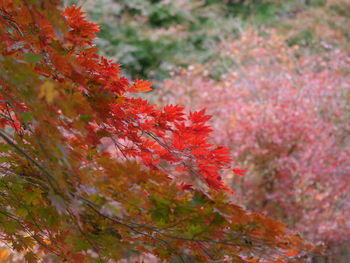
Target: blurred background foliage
(152, 38)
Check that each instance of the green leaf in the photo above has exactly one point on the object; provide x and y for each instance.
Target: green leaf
(30, 257)
(27, 117)
(198, 199)
(5, 159)
(79, 243)
(10, 226)
(32, 197)
(50, 215)
(218, 219)
(31, 57)
(4, 147)
(85, 118)
(22, 212)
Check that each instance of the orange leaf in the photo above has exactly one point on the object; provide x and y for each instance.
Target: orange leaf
(141, 86)
(291, 253)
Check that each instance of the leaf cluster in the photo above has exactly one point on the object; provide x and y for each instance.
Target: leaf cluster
(91, 174)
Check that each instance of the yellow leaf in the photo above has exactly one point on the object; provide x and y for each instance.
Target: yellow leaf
(47, 91)
(3, 254)
(22, 212)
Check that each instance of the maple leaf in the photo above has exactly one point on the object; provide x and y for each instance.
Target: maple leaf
(141, 86)
(174, 113)
(239, 171)
(199, 116)
(83, 30)
(291, 253)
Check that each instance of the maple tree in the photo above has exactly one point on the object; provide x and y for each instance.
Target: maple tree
(287, 119)
(90, 173)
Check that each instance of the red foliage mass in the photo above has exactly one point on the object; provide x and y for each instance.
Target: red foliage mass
(287, 121)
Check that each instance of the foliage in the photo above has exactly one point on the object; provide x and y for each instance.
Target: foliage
(152, 38)
(287, 119)
(91, 174)
(324, 26)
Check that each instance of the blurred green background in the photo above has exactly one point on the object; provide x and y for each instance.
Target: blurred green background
(152, 38)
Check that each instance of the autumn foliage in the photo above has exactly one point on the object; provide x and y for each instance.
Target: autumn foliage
(286, 117)
(90, 173)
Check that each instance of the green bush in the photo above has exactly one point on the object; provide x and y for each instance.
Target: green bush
(151, 38)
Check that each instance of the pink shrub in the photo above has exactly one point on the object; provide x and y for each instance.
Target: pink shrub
(287, 121)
